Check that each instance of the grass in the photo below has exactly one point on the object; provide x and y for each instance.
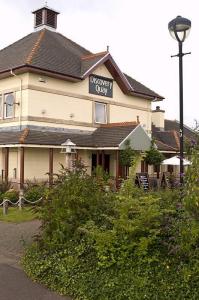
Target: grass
(16, 216)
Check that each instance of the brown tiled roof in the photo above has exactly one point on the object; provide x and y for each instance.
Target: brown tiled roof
(164, 147)
(175, 125)
(111, 136)
(167, 138)
(89, 61)
(142, 89)
(170, 136)
(119, 124)
(101, 137)
(46, 50)
(52, 52)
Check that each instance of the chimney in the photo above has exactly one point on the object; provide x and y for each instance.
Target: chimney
(45, 17)
(158, 118)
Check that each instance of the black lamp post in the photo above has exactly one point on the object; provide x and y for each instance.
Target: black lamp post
(179, 29)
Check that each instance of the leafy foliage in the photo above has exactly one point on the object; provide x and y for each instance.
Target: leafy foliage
(127, 155)
(153, 156)
(126, 245)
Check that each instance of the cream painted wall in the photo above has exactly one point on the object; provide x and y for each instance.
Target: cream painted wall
(86, 157)
(58, 159)
(36, 164)
(63, 101)
(48, 105)
(117, 115)
(158, 118)
(42, 103)
(13, 162)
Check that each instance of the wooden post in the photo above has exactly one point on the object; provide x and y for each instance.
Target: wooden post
(50, 166)
(98, 156)
(6, 164)
(103, 160)
(21, 168)
(117, 168)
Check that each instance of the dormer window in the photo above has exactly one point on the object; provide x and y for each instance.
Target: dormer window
(45, 17)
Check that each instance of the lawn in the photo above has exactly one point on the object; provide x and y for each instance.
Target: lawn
(16, 216)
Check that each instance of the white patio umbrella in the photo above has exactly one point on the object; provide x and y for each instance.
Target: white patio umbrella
(175, 161)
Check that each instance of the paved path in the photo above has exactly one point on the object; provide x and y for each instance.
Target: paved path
(14, 284)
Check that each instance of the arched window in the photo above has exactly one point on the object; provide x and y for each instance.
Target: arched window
(9, 106)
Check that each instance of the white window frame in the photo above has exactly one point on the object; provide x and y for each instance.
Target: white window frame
(106, 117)
(5, 106)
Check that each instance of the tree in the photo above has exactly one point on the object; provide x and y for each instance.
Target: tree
(126, 156)
(154, 157)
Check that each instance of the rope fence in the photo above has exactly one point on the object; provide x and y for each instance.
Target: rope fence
(22, 200)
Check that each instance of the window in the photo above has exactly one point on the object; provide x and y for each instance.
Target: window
(1, 106)
(100, 113)
(9, 106)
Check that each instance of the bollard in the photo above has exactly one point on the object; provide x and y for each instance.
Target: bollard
(20, 205)
(5, 207)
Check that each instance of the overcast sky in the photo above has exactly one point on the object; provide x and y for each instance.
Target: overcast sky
(137, 34)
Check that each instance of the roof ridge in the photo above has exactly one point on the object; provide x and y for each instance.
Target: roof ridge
(24, 135)
(35, 47)
(90, 56)
(118, 124)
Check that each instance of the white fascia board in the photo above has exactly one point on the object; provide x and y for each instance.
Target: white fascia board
(55, 147)
(95, 65)
(30, 146)
(97, 148)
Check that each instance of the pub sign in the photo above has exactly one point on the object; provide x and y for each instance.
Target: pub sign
(102, 86)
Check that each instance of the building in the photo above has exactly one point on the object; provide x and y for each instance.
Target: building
(52, 90)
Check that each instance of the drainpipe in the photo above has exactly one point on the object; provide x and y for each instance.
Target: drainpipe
(20, 102)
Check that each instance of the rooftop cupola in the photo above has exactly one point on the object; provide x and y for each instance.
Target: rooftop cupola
(45, 17)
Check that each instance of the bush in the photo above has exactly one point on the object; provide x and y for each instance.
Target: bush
(126, 245)
(34, 191)
(12, 195)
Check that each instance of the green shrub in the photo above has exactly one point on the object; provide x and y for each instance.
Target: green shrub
(35, 192)
(12, 195)
(127, 245)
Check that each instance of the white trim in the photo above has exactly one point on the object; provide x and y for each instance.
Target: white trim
(55, 147)
(170, 151)
(95, 65)
(97, 148)
(41, 27)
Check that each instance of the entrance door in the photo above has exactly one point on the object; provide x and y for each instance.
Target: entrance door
(106, 166)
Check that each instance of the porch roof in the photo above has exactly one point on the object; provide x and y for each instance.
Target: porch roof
(110, 135)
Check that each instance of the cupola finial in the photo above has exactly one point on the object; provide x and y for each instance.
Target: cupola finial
(45, 17)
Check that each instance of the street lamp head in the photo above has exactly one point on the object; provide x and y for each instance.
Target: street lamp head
(179, 28)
